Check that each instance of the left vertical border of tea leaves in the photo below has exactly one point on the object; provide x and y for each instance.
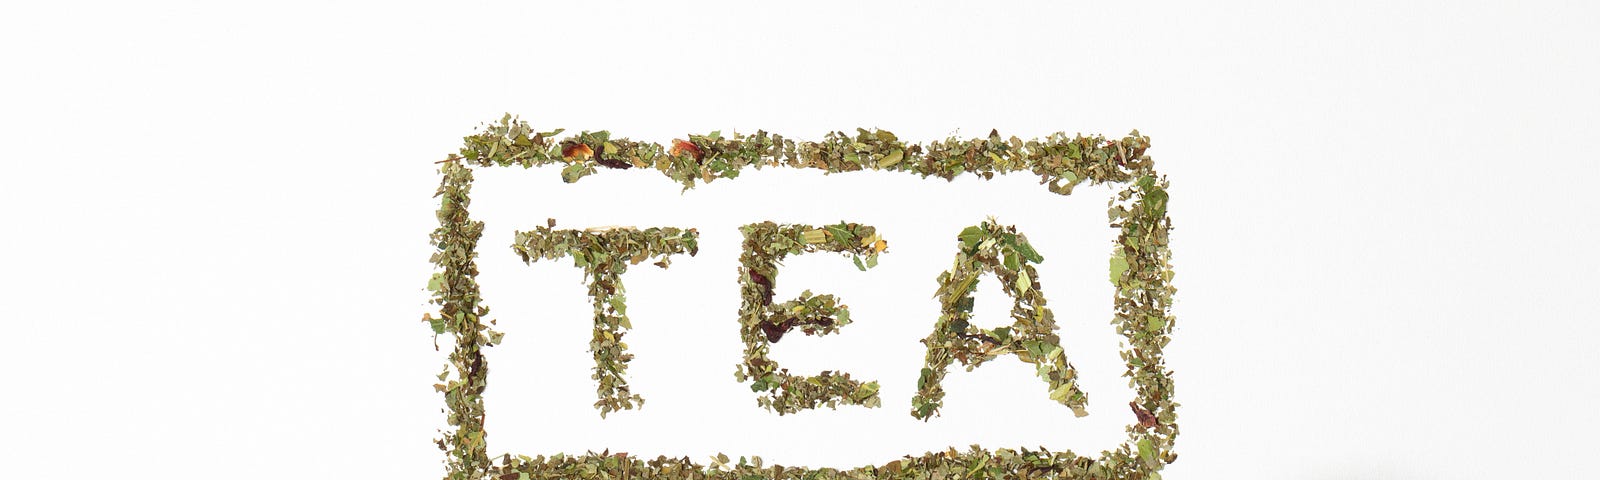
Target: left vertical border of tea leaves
(1139, 270)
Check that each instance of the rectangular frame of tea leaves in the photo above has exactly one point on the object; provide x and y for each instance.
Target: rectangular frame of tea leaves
(1138, 266)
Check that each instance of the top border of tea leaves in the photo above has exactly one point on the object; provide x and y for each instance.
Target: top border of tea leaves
(1061, 162)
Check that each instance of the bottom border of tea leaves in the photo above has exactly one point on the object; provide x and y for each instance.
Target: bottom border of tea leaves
(1139, 268)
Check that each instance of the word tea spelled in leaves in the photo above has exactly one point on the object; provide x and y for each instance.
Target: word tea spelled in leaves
(1139, 270)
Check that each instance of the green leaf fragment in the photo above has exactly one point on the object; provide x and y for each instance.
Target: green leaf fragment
(572, 173)
(1147, 452)
(1155, 324)
(436, 323)
(891, 159)
(866, 390)
(1061, 393)
(1119, 264)
(970, 237)
(1155, 202)
(1029, 253)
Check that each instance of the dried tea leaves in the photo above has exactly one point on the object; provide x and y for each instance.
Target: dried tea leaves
(604, 255)
(1139, 269)
(762, 323)
(1000, 250)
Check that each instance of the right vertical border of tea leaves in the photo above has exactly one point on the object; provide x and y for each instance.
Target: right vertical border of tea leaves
(1139, 269)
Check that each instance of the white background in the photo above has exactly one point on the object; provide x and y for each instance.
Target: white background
(216, 227)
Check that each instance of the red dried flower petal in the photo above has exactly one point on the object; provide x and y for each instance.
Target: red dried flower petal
(680, 147)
